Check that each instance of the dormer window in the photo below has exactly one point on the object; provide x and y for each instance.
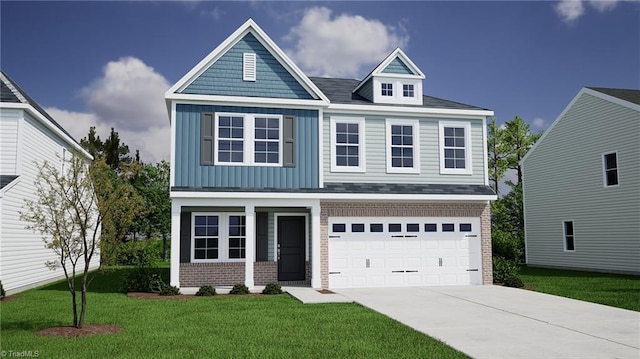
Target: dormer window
(387, 89)
(407, 91)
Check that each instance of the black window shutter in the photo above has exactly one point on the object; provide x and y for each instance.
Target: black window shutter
(289, 141)
(206, 138)
(185, 237)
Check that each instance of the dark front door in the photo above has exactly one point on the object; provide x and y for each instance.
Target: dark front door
(291, 235)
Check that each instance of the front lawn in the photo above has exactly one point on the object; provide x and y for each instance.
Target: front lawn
(616, 290)
(250, 327)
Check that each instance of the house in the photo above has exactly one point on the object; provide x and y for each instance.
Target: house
(582, 185)
(325, 182)
(28, 137)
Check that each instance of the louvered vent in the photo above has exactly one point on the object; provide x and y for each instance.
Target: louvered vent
(249, 66)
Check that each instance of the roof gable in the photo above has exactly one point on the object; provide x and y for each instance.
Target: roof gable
(397, 66)
(280, 76)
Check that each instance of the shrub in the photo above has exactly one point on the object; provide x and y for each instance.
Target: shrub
(169, 290)
(2, 292)
(206, 291)
(504, 269)
(143, 280)
(514, 282)
(239, 289)
(138, 253)
(272, 288)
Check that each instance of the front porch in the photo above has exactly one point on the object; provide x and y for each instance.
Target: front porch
(225, 241)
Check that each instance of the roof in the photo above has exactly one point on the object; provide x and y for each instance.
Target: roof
(362, 188)
(6, 179)
(628, 95)
(340, 91)
(6, 95)
(28, 99)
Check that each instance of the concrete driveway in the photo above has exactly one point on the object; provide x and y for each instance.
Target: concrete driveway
(498, 322)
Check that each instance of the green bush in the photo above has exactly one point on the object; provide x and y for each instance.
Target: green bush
(2, 292)
(272, 288)
(506, 245)
(514, 282)
(239, 289)
(138, 253)
(169, 290)
(503, 269)
(206, 291)
(144, 280)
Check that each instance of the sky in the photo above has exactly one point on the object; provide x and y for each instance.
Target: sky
(108, 64)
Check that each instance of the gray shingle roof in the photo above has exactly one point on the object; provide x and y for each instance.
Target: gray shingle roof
(363, 188)
(341, 91)
(628, 95)
(14, 99)
(6, 179)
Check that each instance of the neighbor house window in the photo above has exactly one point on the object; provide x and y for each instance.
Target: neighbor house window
(610, 163)
(455, 147)
(347, 144)
(248, 139)
(218, 237)
(407, 91)
(387, 89)
(403, 146)
(569, 244)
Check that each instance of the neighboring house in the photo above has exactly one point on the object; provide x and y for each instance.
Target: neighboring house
(29, 136)
(582, 185)
(325, 182)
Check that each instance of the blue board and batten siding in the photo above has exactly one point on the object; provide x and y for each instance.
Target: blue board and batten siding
(224, 77)
(190, 173)
(397, 66)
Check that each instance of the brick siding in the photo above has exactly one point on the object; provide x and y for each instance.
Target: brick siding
(230, 273)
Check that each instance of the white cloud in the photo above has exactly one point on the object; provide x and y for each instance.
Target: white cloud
(539, 122)
(569, 10)
(130, 98)
(342, 45)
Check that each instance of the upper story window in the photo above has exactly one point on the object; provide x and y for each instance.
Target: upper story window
(218, 237)
(248, 139)
(407, 91)
(610, 165)
(249, 66)
(347, 144)
(403, 146)
(455, 148)
(387, 89)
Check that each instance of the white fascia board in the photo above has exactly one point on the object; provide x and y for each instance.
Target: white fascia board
(265, 40)
(245, 101)
(416, 111)
(583, 91)
(330, 196)
(45, 121)
(9, 185)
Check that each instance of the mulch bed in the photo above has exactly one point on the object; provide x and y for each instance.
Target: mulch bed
(9, 298)
(87, 329)
(156, 296)
(325, 291)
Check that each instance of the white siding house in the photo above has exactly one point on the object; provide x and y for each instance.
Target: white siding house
(582, 186)
(28, 138)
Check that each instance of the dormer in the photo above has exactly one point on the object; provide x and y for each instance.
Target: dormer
(396, 80)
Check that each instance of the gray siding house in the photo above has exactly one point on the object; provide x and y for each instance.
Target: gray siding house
(323, 182)
(582, 185)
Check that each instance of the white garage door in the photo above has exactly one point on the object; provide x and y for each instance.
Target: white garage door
(385, 252)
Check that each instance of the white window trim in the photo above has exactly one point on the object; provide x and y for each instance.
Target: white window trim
(413, 89)
(604, 169)
(416, 145)
(564, 236)
(468, 170)
(398, 93)
(223, 237)
(361, 144)
(249, 68)
(248, 140)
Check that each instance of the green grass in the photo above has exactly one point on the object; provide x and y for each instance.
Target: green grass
(276, 326)
(616, 290)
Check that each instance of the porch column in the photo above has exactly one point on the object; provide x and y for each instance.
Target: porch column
(249, 244)
(315, 246)
(175, 244)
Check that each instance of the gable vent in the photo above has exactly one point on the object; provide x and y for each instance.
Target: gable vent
(249, 66)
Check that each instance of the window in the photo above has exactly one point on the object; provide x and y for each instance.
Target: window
(347, 144)
(339, 227)
(375, 227)
(407, 91)
(610, 163)
(403, 146)
(249, 66)
(395, 227)
(248, 139)
(357, 227)
(569, 244)
(218, 237)
(387, 89)
(413, 227)
(455, 148)
(448, 227)
(430, 227)
(465, 227)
